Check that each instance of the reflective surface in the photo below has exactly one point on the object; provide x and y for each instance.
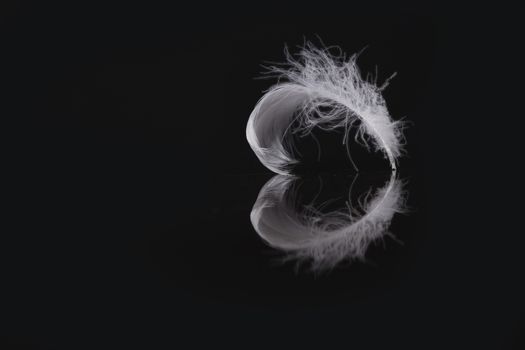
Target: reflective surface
(128, 208)
(210, 247)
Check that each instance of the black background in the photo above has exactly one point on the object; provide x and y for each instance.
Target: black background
(130, 181)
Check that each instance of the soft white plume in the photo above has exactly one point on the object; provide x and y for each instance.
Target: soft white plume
(318, 89)
(306, 234)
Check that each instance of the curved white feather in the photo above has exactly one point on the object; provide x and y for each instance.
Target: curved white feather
(326, 91)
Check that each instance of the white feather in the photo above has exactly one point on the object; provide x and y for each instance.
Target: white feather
(325, 240)
(325, 91)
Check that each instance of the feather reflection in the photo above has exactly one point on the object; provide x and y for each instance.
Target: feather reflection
(309, 233)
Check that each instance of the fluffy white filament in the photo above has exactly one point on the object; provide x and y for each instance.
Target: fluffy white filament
(318, 89)
(324, 239)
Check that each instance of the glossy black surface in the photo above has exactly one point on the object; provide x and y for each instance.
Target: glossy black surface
(133, 183)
